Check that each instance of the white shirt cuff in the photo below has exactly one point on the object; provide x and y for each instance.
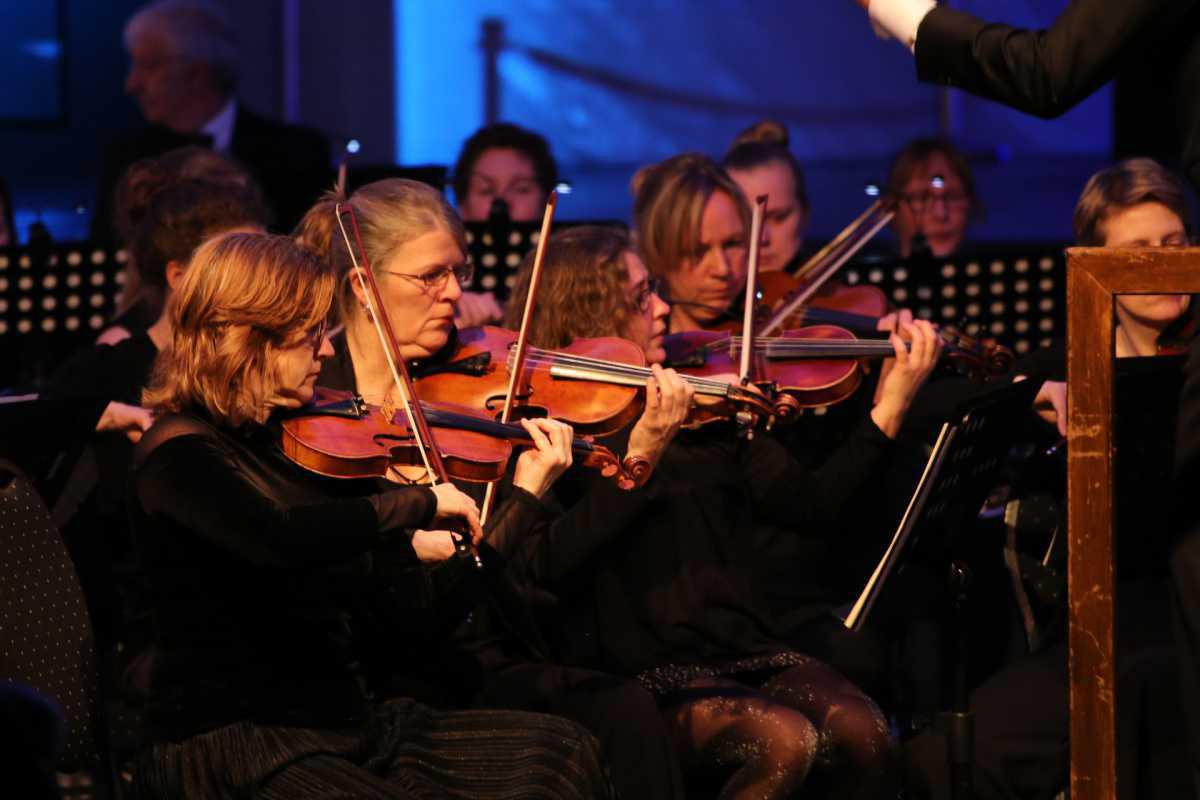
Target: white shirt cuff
(899, 19)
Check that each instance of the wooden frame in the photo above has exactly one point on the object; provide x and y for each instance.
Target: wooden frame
(1094, 275)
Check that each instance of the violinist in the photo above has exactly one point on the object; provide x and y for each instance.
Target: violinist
(654, 581)
(260, 571)
(140, 304)
(503, 171)
(936, 193)
(760, 162)
(416, 246)
(691, 221)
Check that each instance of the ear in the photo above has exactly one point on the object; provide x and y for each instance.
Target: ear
(174, 274)
(356, 286)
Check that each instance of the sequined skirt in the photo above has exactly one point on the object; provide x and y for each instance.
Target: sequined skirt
(671, 678)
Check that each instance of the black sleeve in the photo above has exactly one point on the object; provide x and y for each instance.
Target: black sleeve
(74, 398)
(559, 545)
(790, 495)
(1042, 72)
(513, 522)
(191, 481)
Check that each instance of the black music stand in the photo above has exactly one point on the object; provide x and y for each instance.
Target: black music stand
(53, 299)
(1015, 294)
(969, 458)
(497, 246)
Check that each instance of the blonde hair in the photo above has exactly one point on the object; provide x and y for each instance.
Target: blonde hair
(1124, 184)
(668, 203)
(244, 297)
(582, 292)
(390, 214)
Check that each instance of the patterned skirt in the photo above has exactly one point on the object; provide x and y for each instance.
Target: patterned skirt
(407, 750)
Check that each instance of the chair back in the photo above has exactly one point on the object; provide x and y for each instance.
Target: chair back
(46, 639)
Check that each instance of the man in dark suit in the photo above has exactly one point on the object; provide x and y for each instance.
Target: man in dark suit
(1047, 72)
(183, 74)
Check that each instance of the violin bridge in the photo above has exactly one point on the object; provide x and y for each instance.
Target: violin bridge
(388, 409)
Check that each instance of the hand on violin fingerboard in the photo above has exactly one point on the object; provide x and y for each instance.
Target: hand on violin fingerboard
(537, 469)
(918, 348)
(668, 401)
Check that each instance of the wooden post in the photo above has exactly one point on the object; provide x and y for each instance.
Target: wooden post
(1094, 275)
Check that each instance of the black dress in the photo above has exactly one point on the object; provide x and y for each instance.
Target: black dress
(260, 572)
(659, 582)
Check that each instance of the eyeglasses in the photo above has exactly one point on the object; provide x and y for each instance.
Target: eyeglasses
(435, 280)
(316, 337)
(641, 300)
(919, 201)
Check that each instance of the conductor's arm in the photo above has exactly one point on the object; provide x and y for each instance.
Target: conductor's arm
(1041, 72)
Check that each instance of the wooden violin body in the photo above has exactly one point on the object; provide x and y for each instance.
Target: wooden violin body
(794, 379)
(338, 435)
(477, 376)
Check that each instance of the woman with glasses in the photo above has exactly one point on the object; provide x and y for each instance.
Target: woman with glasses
(657, 583)
(936, 193)
(490, 648)
(262, 574)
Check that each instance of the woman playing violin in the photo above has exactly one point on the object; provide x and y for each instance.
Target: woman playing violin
(416, 246)
(655, 581)
(760, 162)
(261, 571)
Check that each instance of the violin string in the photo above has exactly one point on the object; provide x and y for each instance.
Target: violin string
(601, 367)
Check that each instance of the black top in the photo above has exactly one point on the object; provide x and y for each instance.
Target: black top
(661, 575)
(502, 628)
(259, 570)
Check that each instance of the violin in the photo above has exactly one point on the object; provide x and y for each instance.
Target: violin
(339, 435)
(810, 297)
(596, 385)
(807, 367)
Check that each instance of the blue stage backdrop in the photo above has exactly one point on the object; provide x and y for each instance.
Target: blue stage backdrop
(616, 83)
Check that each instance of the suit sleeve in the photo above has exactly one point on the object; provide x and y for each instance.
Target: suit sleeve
(1041, 72)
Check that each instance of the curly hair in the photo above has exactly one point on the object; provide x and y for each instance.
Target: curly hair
(583, 287)
(668, 203)
(244, 298)
(390, 213)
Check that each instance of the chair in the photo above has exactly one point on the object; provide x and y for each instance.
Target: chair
(46, 639)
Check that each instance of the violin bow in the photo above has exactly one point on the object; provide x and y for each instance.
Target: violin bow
(431, 457)
(517, 374)
(747, 362)
(825, 263)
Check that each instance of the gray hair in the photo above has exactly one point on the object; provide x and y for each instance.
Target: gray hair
(194, 30)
